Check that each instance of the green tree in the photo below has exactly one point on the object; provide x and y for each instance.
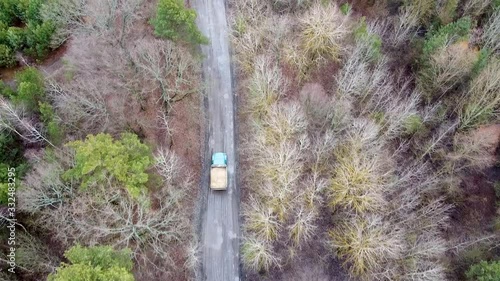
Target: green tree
(4, 39)
(99, 263)
(99, 158)
(7, 56)
(173, 21)
(38, 39)
(373, 42)
(6, 90)
(48, 117)
(30, 88)
(440, 37)
(11, 156)
(484, 271)
(29, 11)
(16, 37)
(7, 11)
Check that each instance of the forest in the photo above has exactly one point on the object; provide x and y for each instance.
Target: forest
(368, 139)
(369, 135)
(98, 171)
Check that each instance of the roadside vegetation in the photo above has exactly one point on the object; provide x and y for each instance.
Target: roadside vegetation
(369, 138)
(102, 190)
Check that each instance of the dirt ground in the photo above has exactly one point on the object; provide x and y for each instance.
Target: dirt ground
(476, 210)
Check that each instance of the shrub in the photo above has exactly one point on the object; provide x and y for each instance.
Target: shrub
(34, 255)
(359, 171)
(303, 228)
(430, 11)
(266, 86)
(476, 8)
(484, 271)
(30, 88)
(481, 62)
(6, 90)
(99, 263)
(261, 221)
(413, 124)
(346, 8)
(496, 186)
(3, 33)
(173, 21)
(100, 158)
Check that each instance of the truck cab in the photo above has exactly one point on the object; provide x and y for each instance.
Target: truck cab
(218, 171)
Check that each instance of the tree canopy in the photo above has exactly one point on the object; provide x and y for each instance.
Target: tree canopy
(100, 263)
(100, 158)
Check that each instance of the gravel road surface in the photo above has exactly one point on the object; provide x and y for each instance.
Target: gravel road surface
(220, 214)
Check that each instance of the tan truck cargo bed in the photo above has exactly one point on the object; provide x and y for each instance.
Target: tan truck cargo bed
(218, 178)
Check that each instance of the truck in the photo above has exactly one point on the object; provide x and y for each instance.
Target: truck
(218, 171)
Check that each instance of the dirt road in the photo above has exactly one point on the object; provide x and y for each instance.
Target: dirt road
(220, 223)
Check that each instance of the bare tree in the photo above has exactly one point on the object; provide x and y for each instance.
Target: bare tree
(490, 36)
(81, 105)
(15, 120)
(482, 100)
(266, 86)
(404, 26)
(475, 8)
(166, 67)
(323, 30)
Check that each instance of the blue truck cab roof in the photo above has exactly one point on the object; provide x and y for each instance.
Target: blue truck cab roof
(219, 159)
